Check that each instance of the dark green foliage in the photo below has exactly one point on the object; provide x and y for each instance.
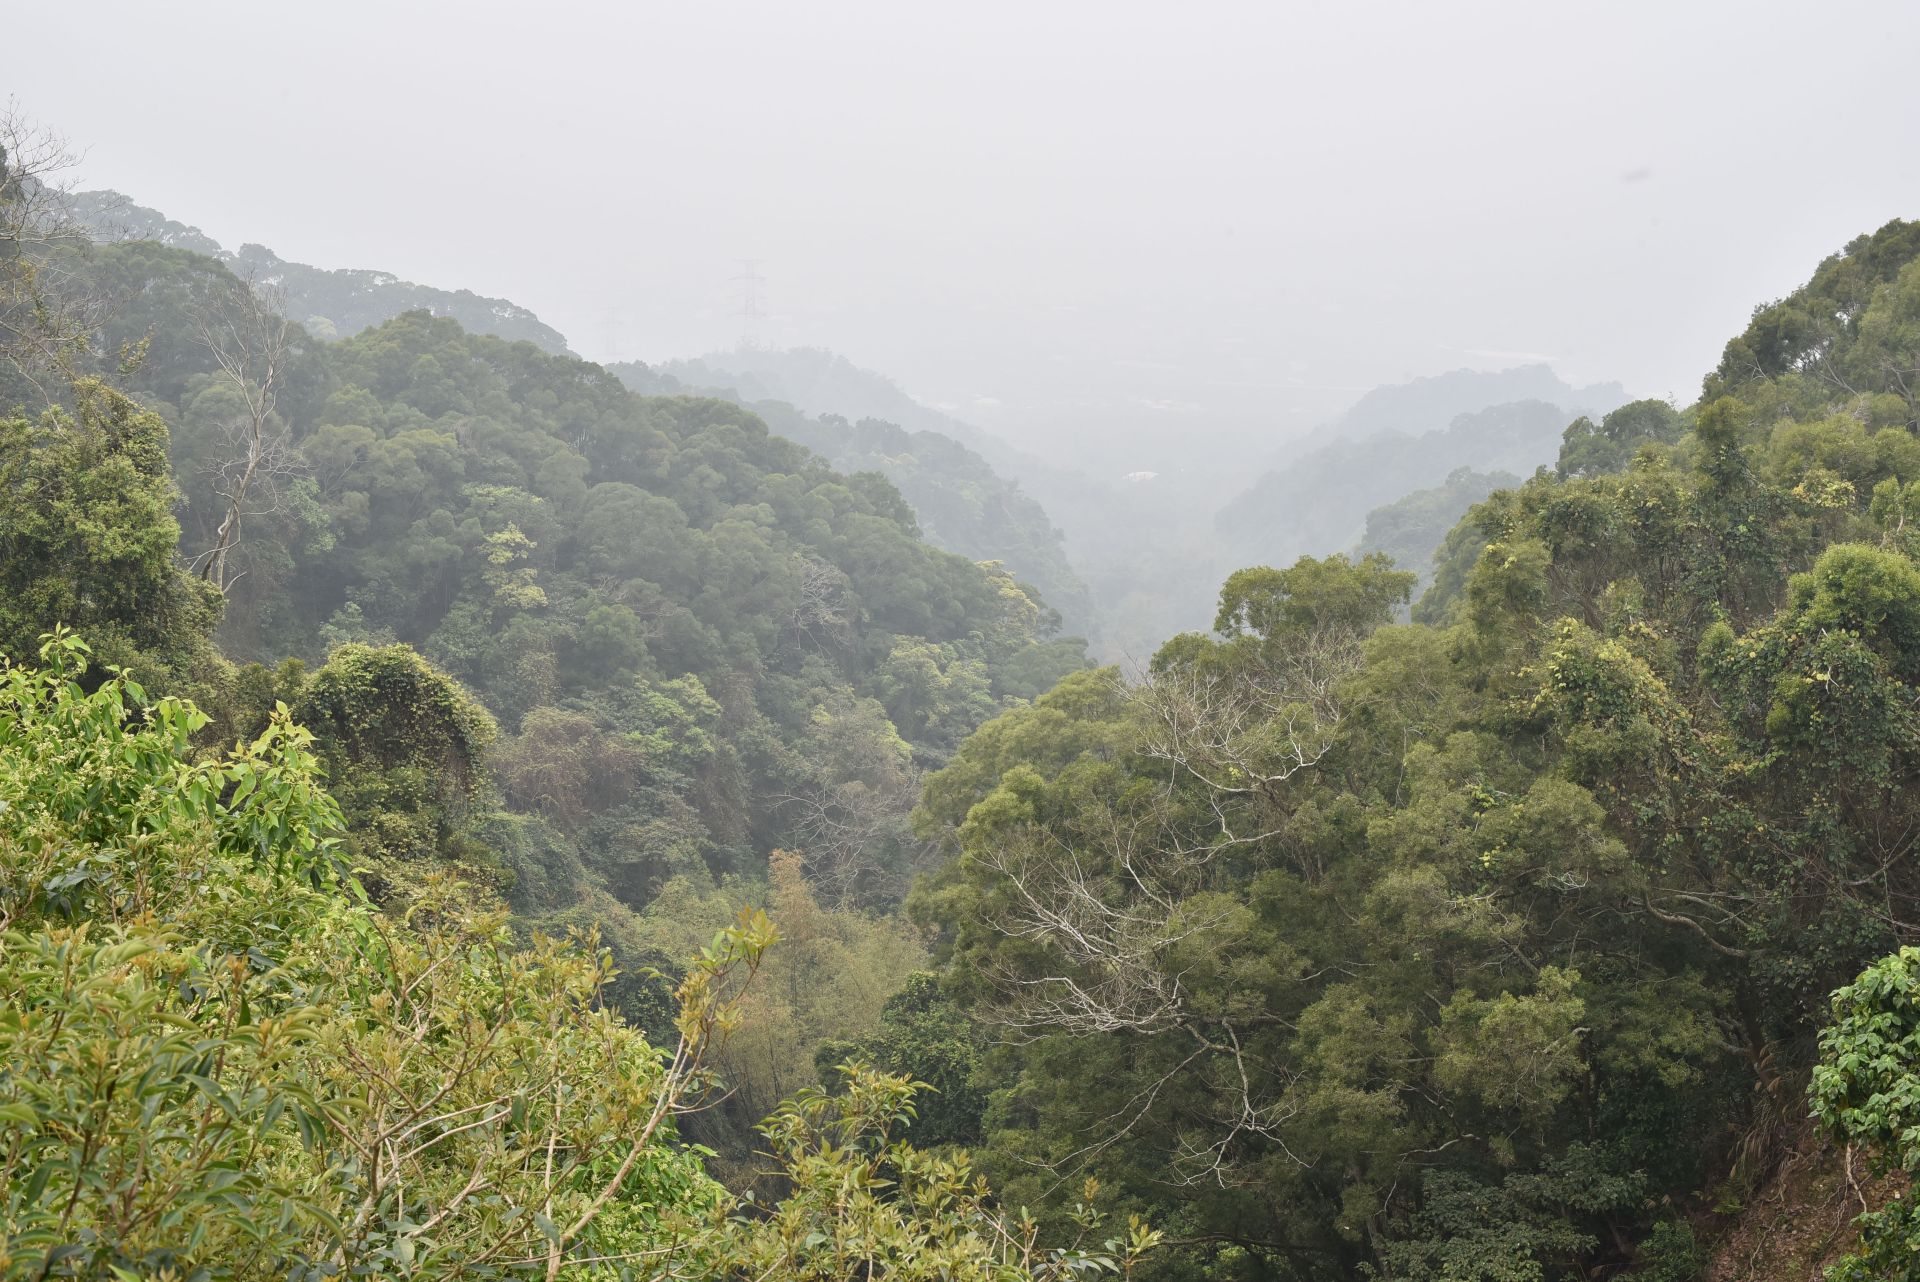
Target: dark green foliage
(924, 1035)
(1671, 1253)
(1590, 449)
(1453, 951)
(959, 501)
(558, 545)
(1412, 529)
(1847, 332)
(1476, 949)
(1504, 1231)
(87, 537)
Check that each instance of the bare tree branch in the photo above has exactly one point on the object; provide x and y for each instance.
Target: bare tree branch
(47, 315)
(246, 330)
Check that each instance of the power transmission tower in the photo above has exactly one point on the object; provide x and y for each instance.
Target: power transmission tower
(753, 307)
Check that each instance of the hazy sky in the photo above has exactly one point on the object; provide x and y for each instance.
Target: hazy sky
(1085, 218)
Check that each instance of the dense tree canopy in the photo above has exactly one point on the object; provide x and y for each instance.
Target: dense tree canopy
(87, 535)
(224, 1062)
(590, 648)
(1457, 950)
(1498, 945)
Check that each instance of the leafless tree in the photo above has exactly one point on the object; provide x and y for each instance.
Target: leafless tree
(819, 618)
(244, 327)
(1244, 732)
(1118, 904)
(47, 317)
(846, 831)
(1117, 917)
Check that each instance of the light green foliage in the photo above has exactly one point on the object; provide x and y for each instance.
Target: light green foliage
(104, 792)
(225, 1063)
(1311, 596)
(1538, 1034)
(865, 1204)
(1866, 1088)
(932, 695)
(674, 720)
(220, 1061)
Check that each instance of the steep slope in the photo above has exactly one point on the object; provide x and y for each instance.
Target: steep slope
(1412, 528)
(1142, 545)
(1524, 943)
(964, 507)
(1429, 404)
(1319, 502)
(961, 502)
(602, 570)
(330, 302)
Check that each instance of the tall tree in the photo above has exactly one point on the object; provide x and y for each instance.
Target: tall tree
(87, 536)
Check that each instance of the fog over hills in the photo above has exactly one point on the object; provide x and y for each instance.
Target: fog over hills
(1150, 541)
(1429, 404)
(1084, 642)
(1106, 234)
(330, 302)
(1124, 544)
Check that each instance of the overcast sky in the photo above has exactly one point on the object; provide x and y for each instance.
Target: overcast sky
(1066, 219)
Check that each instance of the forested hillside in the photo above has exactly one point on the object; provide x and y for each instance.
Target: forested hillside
(661, 643)
(463, 818)
(1411, 529)
(570, 662)
(1320, 502)
(1138, 551)
(329, 302)
(960, 502)
(1499, 947)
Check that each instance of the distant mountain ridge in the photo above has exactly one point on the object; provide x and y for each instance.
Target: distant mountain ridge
(1432, 403)
(347, 300)
(1149, 552)
(962, 502)
(1124, 564)
(824, 382)
(1412, 528)
(1320, 501)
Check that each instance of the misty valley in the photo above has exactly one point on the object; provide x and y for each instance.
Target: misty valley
(472, 811)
